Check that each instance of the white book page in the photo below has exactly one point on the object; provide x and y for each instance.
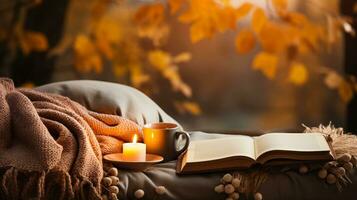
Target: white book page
(213, 149)
(306, 142)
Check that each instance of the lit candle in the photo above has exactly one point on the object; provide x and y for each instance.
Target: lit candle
(134, 151)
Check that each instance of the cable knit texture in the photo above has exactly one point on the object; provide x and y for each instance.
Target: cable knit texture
(50, 146)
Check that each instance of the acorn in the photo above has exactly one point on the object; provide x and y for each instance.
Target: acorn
(331, 179)
(160, 190)
(346, 157)
(258, 196)
(113, 196)
(113, 171)
(227, 178)
(115, 180)
(228, 189)
(107, 181)
(139, 193)
(322, 173)
(234, 195)
(114, 189)
(236, 182)
(303, 169)
(219, 188)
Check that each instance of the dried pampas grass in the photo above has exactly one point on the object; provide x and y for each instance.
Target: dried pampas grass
(341, 142)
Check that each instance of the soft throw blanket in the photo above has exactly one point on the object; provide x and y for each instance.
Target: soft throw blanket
(49, 146)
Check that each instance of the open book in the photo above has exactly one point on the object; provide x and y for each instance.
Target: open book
(243, 151)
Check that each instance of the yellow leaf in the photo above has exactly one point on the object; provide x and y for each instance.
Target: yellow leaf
(298, 74)
(188, 106)
(150, 15)
(120, 70)
(226, 18)
(83, 45)
(137, 76)
(258, 20)
(245, 41)
(105, 48)
(200, 31)
(175, 5)
(273, 37)
(173, 76)
(159, 59)
(345, 91)
(295, 18)
(33, 41)
(280, 5)
(267, 63)
(109, 29)
(182, 57)
(86, 56)
(243, 10)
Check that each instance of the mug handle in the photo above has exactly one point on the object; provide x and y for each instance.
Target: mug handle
(187, 138)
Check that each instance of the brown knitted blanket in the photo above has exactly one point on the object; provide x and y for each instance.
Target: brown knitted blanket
(48, 145)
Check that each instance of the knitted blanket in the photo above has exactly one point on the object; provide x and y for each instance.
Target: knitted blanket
(49, 147)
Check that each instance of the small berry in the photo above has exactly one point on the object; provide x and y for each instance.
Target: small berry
(160, 190)
(139, 193)
(258, 196)
(227, 178)
(228, 189)
(219, 188)
(113, 171)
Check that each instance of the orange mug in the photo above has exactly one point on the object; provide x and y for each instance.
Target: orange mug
(165, 139)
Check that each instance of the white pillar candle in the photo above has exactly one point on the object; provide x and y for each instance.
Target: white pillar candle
(134, 151)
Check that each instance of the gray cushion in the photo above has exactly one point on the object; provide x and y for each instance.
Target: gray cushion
(110, 98)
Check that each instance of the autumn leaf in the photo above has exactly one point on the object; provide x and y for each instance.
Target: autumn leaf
(175, 5)
(108, 29)
(267, 63)
(120, 70)
(226, 18)
(280, 5)
(188, 107)
(245, 41)
(345, 91)
(182, 57)
(150, 15)
(173, 76)
(105, 48)
(200, 31)
(243, 10)
(33, 41)
(258, 20)
(298, 74)
(86, 55)
(137, 75)
(159, 59)
(273, 38)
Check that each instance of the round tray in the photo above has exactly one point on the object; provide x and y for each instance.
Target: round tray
(118, 161)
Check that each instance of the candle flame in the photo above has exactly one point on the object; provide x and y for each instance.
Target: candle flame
(135, 138)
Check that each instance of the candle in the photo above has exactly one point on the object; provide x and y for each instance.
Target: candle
(134, 151)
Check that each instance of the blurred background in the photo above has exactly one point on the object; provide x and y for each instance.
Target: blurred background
(214, 65)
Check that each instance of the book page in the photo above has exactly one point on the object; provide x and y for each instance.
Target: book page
(311, 142)
(213, 149)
